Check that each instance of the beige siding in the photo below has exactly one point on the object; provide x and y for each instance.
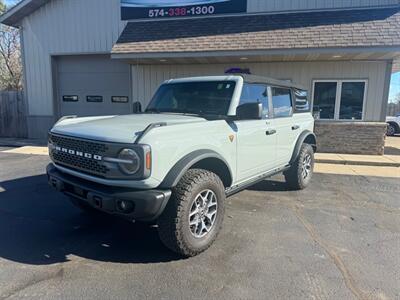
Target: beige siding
(64, 27)
(145, 79)
(255, 6)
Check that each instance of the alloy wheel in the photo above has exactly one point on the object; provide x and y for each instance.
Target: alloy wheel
(203, 213)
(306, 166)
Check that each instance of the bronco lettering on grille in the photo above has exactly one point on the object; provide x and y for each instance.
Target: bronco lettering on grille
(77, 153)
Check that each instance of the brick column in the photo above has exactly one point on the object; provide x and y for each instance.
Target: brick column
(351, 137)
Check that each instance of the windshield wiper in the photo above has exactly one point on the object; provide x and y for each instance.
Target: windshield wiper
(185, 112)
(153, 110)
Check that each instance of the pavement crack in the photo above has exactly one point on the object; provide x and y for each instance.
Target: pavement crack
(348, 278)
(29, 283)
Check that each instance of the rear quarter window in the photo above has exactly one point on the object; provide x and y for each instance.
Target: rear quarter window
(302, 102)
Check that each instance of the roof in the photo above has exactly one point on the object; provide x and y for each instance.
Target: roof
(13, 16)
(261, 79)
(329, 29)
(396, 65)
(246, 78)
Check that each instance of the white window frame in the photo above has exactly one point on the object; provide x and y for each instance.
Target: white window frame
(338, 100)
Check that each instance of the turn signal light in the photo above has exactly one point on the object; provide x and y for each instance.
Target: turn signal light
(148, 160)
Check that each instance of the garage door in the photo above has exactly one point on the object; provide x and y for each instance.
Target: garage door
(93, 85)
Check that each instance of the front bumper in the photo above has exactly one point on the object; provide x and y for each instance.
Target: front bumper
(141, 205)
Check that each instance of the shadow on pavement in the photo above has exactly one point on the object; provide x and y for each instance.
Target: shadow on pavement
(392, 151)
(270, 186)
(39, 226)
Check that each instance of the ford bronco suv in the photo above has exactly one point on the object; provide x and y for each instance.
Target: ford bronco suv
(199, 141)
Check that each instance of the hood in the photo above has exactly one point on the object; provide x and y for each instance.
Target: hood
(117, 129)
(392, 119)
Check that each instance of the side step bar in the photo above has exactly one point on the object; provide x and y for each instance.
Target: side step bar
(240, 187)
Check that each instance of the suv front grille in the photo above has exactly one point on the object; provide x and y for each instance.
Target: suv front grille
(84, 146)
(67, 154)
(80, 163)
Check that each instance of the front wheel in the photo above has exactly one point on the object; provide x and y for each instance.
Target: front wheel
(391, 130)
(194, 214)
(299, 175)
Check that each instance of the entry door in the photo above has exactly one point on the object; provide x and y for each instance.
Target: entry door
(256, 139)
(284, 123)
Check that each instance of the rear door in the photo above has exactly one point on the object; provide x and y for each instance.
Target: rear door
(286, 128)
(256, 144)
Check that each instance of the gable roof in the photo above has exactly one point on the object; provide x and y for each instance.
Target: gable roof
(13, 16)
(328, 29)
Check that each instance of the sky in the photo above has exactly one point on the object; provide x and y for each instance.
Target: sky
(10, 2)
(394, 87)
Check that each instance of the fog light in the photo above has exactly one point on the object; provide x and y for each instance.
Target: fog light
(125, 206)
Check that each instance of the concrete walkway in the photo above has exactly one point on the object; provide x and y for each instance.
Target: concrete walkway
(391, 159)
(358, 160)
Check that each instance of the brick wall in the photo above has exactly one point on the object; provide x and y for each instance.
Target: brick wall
(351, 137)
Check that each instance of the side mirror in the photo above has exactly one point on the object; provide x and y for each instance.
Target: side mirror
(316, 112)
(249, 111)
(137, 107)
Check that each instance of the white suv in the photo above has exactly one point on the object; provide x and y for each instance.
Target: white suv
(393, 125)
(199, 141)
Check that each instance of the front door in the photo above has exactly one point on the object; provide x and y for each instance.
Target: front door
(255, 138)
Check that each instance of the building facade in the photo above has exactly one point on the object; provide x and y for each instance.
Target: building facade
(98, 57)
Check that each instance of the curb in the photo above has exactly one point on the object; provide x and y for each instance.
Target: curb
(22, 143)
(358, 163)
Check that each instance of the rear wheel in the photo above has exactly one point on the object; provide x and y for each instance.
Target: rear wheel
(299, 175)
(194, 214)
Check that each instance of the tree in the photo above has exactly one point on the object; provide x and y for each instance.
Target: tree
(10, 56)
(2, 7)
(394, 106)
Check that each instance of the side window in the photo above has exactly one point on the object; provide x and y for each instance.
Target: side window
(339, 99)
(302, 102)
(282, 102)
(252, 93)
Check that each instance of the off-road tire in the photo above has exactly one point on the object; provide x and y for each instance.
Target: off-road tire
(391, 130)
(84, 207)
(173, 224)
(295, 176)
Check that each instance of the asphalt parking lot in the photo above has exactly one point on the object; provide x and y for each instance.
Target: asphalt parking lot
(339, 239)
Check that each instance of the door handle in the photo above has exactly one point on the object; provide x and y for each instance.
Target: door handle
(270, 132)
(295, 127)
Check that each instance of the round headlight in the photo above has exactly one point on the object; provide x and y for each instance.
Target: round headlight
(132, 164)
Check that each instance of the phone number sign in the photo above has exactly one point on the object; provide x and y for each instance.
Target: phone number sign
(163, 9)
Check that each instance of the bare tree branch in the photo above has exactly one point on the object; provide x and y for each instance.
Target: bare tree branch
(10, 59)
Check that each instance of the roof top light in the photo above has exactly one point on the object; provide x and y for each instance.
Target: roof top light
(237, 71)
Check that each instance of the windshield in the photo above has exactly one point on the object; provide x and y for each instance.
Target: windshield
(200, 98)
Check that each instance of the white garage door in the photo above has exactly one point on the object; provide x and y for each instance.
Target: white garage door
(93, 85)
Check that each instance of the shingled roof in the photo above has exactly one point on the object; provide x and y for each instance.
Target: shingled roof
(332, 29)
